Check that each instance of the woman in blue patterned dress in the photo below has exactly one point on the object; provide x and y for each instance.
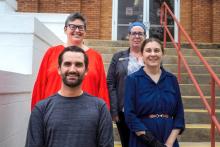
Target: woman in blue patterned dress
(153, 106)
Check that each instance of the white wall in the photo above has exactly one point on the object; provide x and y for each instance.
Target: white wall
(53, 21)
(8, 6)
(23, 41)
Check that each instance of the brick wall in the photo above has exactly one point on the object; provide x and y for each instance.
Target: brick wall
(200, 18)
(49, 6)
(91, 9)
(67, 6)
(27, 5)
(186, 14)
(106, 19)
(216, 21)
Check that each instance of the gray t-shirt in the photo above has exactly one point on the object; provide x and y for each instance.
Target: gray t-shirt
(82, 121)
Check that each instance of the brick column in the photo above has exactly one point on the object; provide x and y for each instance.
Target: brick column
(92, 10)
(186, 16)
(216, 21)
(202, 20)
(106, 19)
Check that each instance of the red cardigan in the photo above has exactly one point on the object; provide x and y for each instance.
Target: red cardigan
(48, 81)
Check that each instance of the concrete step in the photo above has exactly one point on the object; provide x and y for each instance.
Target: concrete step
(198, 45)
(189, 89)
(172, 59)
(192, 133)
(109, 43)
(197, 133)
(191, 52)
(192, 60)
(183, 144)
(195, 102)
(196, 69)
(198, 144)
(198, 116)
(201, 78)
(168, 51)
(108, 50)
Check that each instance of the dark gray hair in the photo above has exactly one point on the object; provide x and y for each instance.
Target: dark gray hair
(73, 49)
(75, 16)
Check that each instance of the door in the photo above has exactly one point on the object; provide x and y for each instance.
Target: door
(154, 18)
(128, 11)
(146, 11)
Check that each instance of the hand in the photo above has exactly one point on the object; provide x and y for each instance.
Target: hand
(115, 118)
(139, 133)
(168, 145)
(150, 140)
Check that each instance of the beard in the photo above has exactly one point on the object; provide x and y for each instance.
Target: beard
(74, 83)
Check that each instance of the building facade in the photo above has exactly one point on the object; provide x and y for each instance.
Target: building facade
(108, 19)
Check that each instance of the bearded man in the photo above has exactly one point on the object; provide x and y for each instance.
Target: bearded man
(71, 117)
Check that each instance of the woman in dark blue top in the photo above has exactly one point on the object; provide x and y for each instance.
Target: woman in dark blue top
(153, 106)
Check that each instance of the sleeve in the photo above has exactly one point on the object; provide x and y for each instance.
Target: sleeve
(35, 132)
(103, 90)
(105, 130)
(179, 121)
(41, 81)
(133, 122)
(111, 82)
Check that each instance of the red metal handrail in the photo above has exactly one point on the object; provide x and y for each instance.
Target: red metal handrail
(165, 10)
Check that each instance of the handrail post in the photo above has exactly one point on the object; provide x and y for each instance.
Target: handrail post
(213, 105)
(165, 25)
(161, 15)
(179, 59)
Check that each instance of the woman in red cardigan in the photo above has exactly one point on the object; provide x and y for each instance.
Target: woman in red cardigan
(48, 81)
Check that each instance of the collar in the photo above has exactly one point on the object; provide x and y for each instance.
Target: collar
(164, 73)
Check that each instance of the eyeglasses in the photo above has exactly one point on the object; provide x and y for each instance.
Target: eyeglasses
(73, 27)
(140, 34)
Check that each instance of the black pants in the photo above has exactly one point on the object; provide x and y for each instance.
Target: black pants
(123, 130)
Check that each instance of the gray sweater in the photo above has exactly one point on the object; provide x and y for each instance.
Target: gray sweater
(59, 121)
